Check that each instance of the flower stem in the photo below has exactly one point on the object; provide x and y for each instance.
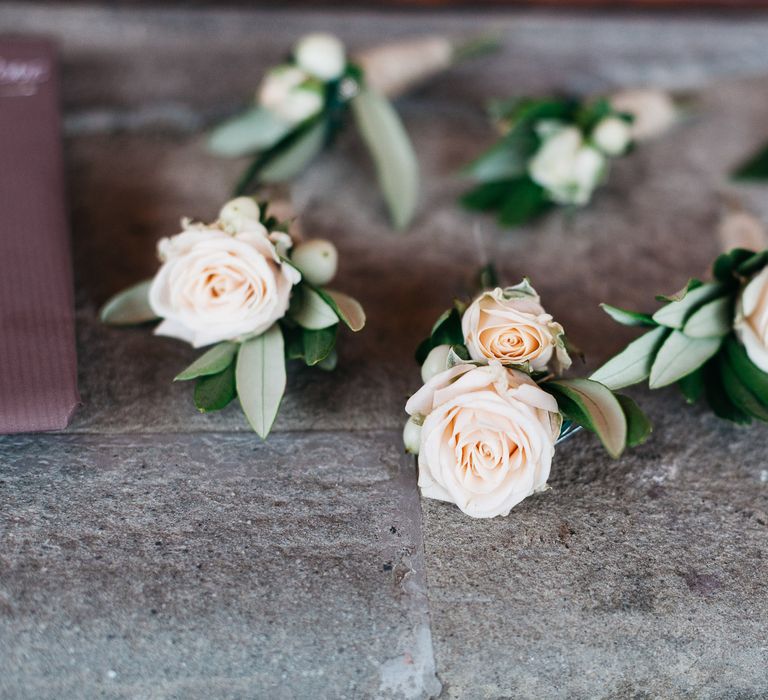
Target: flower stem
(478, 46)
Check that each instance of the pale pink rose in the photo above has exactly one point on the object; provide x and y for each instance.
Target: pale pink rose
(215, 285)
(512, 326)
(487, 437)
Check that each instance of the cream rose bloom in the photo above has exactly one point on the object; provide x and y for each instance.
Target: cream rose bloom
(511, 325)
(752, 319)
(566, 167)
(487, 438)
(216, 284)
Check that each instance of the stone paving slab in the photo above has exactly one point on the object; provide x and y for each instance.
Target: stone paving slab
(639, 578)
(211, 566)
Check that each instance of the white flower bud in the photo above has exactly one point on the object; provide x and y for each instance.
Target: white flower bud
(284, 92)
(435, 362)
(412, 436)
(552, 165)
(612, 136)
(317, 259)
(321, 55)
(238, 213)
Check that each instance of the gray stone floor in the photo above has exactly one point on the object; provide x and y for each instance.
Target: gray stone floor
(151, 552)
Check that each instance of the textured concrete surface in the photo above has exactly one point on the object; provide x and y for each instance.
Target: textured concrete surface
(301, 568)
(643, 578)
(211, 566)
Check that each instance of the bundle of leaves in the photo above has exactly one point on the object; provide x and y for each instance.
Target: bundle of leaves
(754, 168)
(691, 342)
(254, 369)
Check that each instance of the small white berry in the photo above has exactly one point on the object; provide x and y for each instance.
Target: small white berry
(612, 136)
(317, 259)
(412, 436)
(237, 213)
(321, 55)
(436, 362)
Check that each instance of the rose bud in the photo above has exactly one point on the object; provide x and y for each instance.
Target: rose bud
(238, 213)
(317, 259)
(565, 166)
(435, 362)
(412, 436)
(511, 325)
(321, 55)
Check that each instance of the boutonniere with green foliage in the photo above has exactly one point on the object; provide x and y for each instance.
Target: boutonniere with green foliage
(557, 151)
(711, 339)
(243, 286)
(302, 103)
(494, 403)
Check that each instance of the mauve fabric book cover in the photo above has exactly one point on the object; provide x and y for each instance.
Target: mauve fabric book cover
(38, 367)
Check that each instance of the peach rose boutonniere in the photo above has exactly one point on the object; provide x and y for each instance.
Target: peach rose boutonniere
(710, 338)
(494, 403)
(243, 286)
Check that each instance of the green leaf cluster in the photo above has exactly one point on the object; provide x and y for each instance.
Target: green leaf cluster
(504, 185)
(754, 168)
(446, 331)
(615, 418)
(691, 342)
(253, 371)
